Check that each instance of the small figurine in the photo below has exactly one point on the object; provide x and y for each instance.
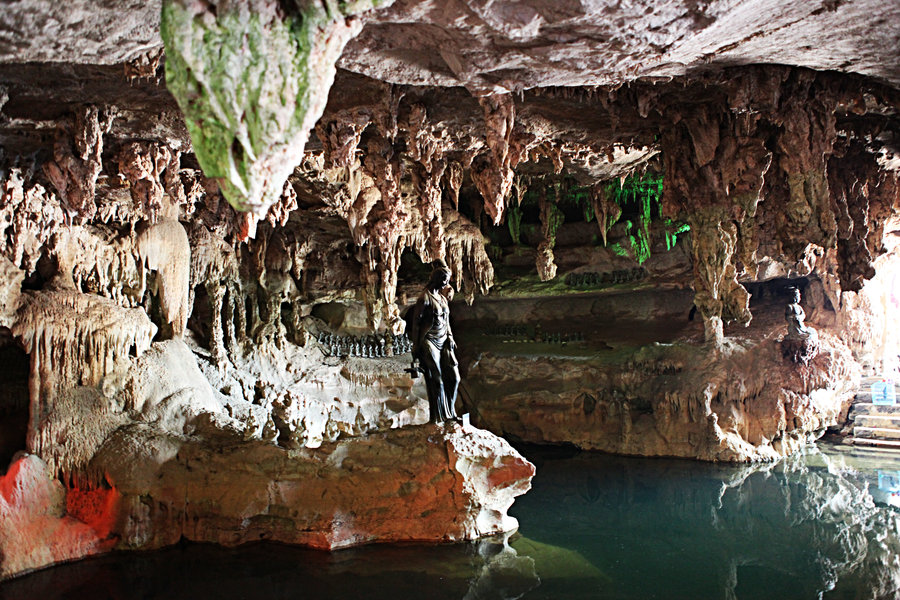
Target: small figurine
(801, 344)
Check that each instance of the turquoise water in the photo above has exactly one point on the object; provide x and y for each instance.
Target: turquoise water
(594, 526)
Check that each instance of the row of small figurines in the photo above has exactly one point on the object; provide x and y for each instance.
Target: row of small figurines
(515, 333)
(369, 346)
(579, 280)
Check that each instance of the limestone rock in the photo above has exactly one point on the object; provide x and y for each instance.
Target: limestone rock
(165, 387)
(426, 483)
(74, 340)
(77, 155)
(743, 404)
(34, 528)
(541, 43)
(10, 291)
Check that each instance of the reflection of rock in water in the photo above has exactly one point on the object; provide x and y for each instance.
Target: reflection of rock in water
(503, 574)
(825, 508)
(676, 529)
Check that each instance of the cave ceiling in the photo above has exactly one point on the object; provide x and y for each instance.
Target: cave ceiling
(55, 56)
(494, 45)
(437, 96)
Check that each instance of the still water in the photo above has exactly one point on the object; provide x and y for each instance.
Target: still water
(815, 526)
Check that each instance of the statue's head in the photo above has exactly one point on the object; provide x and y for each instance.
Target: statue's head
(794, 294)
(440, 276)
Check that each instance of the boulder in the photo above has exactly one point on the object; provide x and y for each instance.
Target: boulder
(431, 483)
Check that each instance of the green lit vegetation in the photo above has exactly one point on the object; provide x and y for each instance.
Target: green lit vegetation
(555, 222)
(673, 230)
(514, 222)
(631, 208)
(643, 193)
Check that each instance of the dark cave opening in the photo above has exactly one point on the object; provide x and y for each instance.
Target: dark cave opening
(775, 289)
(331, 313)
(14, 370)
(201, 315)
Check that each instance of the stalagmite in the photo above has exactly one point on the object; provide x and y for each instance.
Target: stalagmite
(551, 219)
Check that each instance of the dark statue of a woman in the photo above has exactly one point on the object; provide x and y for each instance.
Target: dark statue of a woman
(433, 346)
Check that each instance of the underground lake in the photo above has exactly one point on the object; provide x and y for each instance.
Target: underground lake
(818, 525)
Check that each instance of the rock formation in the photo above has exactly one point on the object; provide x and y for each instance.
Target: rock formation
(178, 255)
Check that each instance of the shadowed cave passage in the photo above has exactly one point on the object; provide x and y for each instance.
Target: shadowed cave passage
(14, 370)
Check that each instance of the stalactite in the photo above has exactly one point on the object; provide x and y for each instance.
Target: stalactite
(144, 66)
(430, 215)
(101, 261)
(30, 216)
(605, 209)
(214, 264)
(493, 174)
(252, 82)
(715, 165)
(281, 210)
(465, 254)
(454, 176)
(864, 198)
(73, 339)
(143, 164)
(164, 248)
(366, 195)
(77, 162)
(804, 142)
(387, 226)
(340, 138)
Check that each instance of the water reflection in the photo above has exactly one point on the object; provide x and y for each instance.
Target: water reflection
(806, 527)
(816, 526)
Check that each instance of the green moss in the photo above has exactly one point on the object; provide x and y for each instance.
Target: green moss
(514, 222)
(251, 88)
(619, 250)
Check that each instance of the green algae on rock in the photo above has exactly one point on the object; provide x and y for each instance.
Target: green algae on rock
(252, 83)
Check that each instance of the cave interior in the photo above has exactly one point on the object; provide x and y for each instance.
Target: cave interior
(217, 216)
